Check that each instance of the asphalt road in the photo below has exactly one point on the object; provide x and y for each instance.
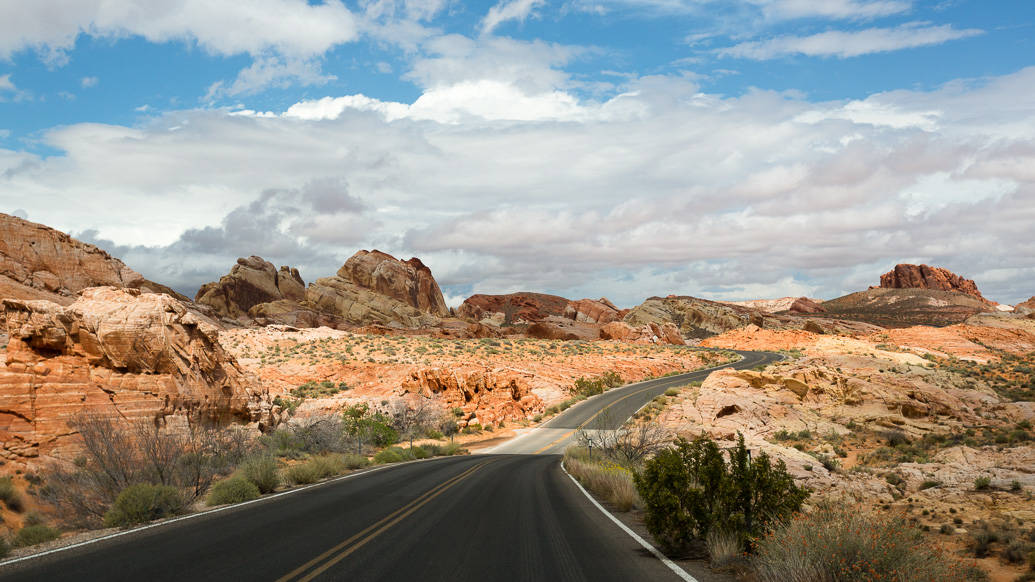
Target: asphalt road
(479, 517)
(611, 409)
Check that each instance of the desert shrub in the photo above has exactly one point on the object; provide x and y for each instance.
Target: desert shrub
(672, 392)
(262, 471)
(368, 427)
(391, 455)
(236, 489)
(302, 473)
(947, 529)
(604, 478)
(845, 544)
(282, 443)
(319, 433)
(355, 461)
(689, 489)
(929, 484)
(983, 483)
(724, 548)
(4, 548)
(9, 495)
(1016, 552)
(35, 534)
(142, 503)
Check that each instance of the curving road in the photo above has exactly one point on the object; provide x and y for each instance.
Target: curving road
(482, 517)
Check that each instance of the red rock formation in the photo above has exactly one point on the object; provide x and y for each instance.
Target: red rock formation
(38, 262)
(594, 311)
(114, 350)
(521, 307)
(653, 333)
(409, 281)
(487, 396)
(925, 277)
(1029, 304)
(805, 305)
(251, 282)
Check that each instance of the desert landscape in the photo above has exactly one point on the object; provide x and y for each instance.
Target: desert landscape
(915, 397)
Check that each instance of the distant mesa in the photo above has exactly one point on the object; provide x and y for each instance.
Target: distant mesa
(783, 304)
(926, 277)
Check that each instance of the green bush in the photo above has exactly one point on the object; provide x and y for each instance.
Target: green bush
(262, 471)
(355, 461)
(983, 483)
(9, 495)
(236, 489)
(689, 489)
(843, 544)
(392, 455)
(35, 534)
(302, 473)
(282, 443)
(369, 426)
(142, 503)
(4, 548)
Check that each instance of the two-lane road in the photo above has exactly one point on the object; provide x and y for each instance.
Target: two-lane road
(479, 517)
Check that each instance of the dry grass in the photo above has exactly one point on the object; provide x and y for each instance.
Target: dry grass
(835, 543)
(724, 548)
(605, 479)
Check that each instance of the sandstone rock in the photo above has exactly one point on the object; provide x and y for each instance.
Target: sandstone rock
(806, 305)
(361, 306)
(925, 277)
(695, 317)
(783, 304)
(652, 333)
(38, 262)
(251, 282)
(513, 308)
(813, 327)
(594, 311)
(409, 282)
(542, 330)
(1026, 307)
(142, 356)
(489, 395)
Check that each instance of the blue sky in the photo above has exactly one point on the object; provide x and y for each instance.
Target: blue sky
(732, 149)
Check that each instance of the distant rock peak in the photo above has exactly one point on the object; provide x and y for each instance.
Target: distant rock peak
(906, 276)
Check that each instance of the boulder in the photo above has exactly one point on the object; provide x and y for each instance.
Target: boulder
(341, 298)
(115, 351)
(594, 311)
(513, 308)
(652, 333)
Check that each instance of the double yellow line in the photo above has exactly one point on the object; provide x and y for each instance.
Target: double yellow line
(324, 561)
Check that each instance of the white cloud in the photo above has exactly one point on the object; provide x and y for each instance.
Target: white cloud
(846, 44)
(508, 10)
(87, 82)
(832, 9)
(772, 10)
(659, 190)
(6, 84)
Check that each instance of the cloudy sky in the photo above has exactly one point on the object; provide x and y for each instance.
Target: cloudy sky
(729, 149)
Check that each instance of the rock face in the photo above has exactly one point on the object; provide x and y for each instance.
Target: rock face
(38, 262)
(906, 307)
(1028, 305)
(251, 282)
(806, 305)
(783, 304)
(513, 308)
(695, 317)
(651, 333)
(409, 282)
(925, 277)
(487, 396)
(594, 311)
(142, 356)
(357, 305)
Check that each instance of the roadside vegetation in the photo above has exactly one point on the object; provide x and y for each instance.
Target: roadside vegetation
(131, 473)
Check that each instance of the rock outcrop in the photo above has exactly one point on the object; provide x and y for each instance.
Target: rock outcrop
(341, 298)
(804, 305)
(252, 281)
(409, 282)
(38, 262)
(650, 333)
(594, 311)
(1026, 306)
(695, 317)
(486, 396)
(926, 277)
(783, 304)
(138, 355)
(513, 308)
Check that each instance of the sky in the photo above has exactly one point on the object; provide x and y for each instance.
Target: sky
(726, 149)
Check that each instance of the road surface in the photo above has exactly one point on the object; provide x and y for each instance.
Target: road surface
(491, 517)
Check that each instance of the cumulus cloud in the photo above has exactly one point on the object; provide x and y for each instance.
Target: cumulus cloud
(87, 82)
(846, 44)
(660, 189)
(508, 10)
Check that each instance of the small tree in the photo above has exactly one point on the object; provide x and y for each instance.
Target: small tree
(690, 489)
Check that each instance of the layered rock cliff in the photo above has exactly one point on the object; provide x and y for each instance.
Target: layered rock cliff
(38, 262)
(139, 355)
(251, 281)
(409, 282)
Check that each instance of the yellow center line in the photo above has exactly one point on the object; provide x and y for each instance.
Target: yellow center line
(392, 519)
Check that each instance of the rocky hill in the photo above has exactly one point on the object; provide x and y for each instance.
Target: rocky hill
(925, 277)
(140, 355)
(783, 305)
(38, 262)
(528, 308)
(906, 307)
(251, 281)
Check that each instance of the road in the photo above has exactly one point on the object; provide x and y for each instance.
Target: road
(611, 409)
(489, 517)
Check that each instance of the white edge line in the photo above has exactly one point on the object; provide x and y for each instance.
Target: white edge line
(209, 512)
(657, 553)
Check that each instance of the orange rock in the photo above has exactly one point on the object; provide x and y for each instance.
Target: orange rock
(926, 277)
(251, 282)
(409, 281)
(521, 307)
(653, 333)
(594, 311)
(487, 396)
(114, 350)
